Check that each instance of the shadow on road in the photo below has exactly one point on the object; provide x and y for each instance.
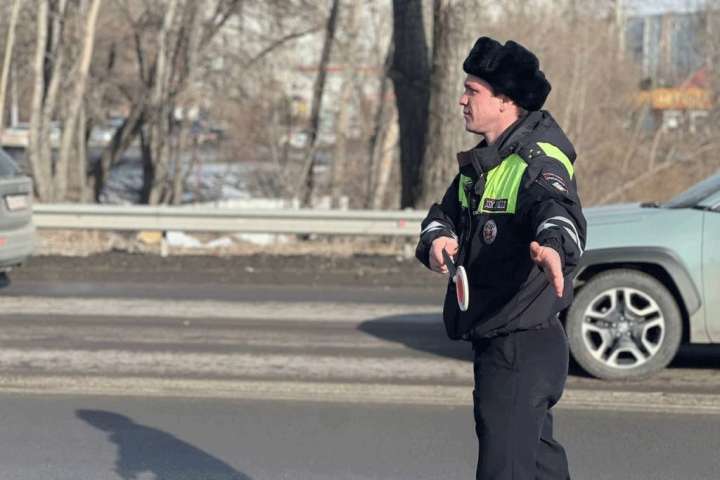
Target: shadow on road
(426, 333)
(144, 451)
(697, 356)
(422, 332)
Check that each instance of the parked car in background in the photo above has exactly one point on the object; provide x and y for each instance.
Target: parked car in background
(17, 232)
(648, 282)
(18, 135)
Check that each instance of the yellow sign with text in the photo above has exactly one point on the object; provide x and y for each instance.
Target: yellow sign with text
(677, 98)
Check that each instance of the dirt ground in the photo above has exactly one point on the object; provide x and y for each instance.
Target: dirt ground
(99, 256)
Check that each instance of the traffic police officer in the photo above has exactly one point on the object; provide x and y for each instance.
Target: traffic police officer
(512, 218)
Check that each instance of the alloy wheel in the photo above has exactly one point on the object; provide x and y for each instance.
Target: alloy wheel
(623, 327)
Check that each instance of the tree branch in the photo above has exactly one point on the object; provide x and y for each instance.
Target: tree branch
(220, 17)
(695, 157)
(279, 42)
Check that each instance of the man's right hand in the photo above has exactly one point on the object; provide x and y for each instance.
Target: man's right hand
(437, 263)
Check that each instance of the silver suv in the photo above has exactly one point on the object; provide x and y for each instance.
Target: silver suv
(17, 232)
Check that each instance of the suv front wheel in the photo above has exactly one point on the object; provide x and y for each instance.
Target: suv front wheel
(623, 324)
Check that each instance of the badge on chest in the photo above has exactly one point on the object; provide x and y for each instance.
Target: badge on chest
(489, 231)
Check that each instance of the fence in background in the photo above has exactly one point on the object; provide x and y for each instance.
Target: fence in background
(210, 219)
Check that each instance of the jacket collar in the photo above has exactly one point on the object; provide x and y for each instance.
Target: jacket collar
(484, 157)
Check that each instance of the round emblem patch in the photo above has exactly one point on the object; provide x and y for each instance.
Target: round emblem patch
(489, 231)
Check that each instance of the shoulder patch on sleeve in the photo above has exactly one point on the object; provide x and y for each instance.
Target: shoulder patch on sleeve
(555, 181)
(555, 153)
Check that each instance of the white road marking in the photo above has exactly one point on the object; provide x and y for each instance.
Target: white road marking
(235, 365)
(91, 356)
(338, 392)
(194, 334)
(306, 311)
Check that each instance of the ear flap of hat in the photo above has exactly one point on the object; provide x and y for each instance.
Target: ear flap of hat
(510, 69)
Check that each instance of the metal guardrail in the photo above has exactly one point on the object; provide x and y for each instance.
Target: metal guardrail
(209, 219)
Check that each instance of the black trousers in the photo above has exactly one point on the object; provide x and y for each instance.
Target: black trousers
(518, 379)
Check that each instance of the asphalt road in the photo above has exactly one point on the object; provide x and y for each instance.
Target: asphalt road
(135, 367)
(63, 437)
(265, 309)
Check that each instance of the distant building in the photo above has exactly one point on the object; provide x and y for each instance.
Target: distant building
(670, 47)
(671, 40)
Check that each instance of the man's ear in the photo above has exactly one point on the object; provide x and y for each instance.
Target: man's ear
(507, 103)
(506, 100)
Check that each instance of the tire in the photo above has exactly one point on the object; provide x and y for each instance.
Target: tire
(623, 324)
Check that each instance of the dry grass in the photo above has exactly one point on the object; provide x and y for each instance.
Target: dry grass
(82, 243)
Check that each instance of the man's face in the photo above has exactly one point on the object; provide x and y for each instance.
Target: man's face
(481, 108)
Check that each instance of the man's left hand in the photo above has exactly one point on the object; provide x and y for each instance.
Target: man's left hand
(549, 260)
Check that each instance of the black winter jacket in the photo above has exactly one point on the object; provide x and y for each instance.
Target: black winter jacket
(521, 188)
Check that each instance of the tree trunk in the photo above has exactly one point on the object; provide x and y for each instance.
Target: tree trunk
(120, 142)
(342, 125)
(379, 128)
(179, 175)
(9, 45)
(411, 78)
(49, 58)
(180, 172)
(306, 174)
(40, 169)
(76, 103)
(160, 127)
(82, 157)
(55, 60)
(148, 169)
(386, 161)
(452, 35)
(14, 102)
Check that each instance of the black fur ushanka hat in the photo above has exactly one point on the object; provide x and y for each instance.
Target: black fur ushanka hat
(510, 69)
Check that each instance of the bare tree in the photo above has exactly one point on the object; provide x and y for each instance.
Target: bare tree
(162, 66)
(347, 48)
(454, 30)
(71, 120)
(39, 162)
(7, 62)
(411, 77)
(179, 175)
(306, 186)
(385, 154)
(384, 122)
(162, 111)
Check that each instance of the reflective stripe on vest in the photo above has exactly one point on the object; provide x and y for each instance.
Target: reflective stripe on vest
(463, 185)
(502, 186)
(503, 182)
(554, 152)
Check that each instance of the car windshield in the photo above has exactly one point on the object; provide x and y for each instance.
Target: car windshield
(8, 167)
(696, 193)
